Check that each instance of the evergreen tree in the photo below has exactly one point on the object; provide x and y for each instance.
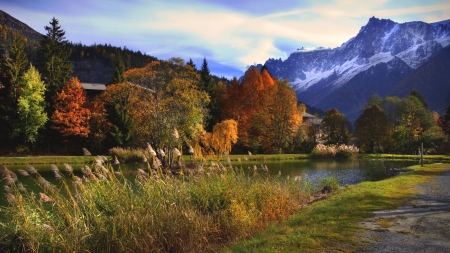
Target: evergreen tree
(55, 67)
(17, 63)
(119, 69)
(418, 95)
(192, 64)
(30, 108)
(206, 81)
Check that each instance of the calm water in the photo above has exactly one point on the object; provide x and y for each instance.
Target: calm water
(346, 171)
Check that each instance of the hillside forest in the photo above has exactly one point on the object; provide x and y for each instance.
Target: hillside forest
(171, 103)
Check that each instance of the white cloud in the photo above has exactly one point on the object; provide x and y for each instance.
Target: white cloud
(229, 36)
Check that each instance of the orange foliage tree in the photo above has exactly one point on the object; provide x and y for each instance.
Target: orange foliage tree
(71, 115)
(266, 111)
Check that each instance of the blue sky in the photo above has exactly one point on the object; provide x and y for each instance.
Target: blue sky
(231, 34)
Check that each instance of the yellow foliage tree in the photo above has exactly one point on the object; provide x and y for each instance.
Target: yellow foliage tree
(224, 135)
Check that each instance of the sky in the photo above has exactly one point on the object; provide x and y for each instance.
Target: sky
(230, 34)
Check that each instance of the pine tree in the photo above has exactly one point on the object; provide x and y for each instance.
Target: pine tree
(16, 62)
(55, 67)
(192, 64)
(205, 77)
(119, 69)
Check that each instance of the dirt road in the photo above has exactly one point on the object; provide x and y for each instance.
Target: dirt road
(422, 225)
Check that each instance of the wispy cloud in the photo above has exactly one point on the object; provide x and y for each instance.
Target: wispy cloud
(230, 34)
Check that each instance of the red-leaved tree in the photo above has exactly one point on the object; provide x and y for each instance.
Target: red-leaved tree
(71, 115)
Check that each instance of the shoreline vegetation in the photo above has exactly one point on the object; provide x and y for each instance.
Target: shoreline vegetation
(331, 225)
(231, 209)
(23, 160)
(102, 211)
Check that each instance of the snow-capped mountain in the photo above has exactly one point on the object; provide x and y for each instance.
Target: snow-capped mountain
(382, 47)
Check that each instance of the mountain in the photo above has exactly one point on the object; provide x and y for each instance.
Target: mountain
(92, 64)
(382, 54)
(15, 24)
(431, 79)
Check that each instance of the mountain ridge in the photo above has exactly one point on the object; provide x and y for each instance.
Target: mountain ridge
(400, 48)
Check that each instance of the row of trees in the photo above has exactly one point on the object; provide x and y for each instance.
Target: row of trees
(389, 125)
(46, 108)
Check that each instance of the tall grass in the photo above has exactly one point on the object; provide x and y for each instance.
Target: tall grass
(331, 151)
(104, 212)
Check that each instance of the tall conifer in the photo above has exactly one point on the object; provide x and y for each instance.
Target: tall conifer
(55, 66)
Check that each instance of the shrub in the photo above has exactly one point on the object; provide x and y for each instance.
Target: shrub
(329, 184)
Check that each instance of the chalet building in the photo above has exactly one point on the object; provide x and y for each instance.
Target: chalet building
(313, 124)
(311, 119)
(93, 89)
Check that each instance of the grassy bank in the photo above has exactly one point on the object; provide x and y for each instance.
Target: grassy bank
(46, 160)
(441, 158)
(242, 157)
(330, 225)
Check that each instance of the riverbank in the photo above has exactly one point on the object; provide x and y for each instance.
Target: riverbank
(243, 157)
(330, 225)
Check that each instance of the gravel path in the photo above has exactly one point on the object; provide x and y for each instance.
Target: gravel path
(422, 225)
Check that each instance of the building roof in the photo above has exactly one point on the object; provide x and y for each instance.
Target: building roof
(307, 115)
(93, 86)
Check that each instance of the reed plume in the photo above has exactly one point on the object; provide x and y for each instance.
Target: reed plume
(86, 152)
(150, 149)
(56, 172)
(24, 173)
(31, 170)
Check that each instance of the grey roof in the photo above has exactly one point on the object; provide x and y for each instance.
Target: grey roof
(307, 115)
(93, 86)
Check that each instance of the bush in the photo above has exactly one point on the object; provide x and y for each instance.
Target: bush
(129, 155)
(331, 151)
(329, 184)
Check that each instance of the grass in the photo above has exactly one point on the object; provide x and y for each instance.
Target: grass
(266, 157)
(331, 225)
(104, 212)
(46, 160)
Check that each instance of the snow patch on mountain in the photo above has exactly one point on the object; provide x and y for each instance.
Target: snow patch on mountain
(379, 41)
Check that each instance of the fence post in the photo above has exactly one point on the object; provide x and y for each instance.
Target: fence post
(421, 154)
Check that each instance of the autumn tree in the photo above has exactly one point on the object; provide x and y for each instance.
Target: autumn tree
(372, 129)
(99, 126)
(414, 121)
(71, 115)
(233, 101)
(286, 116)
(224, 135)
(335, 128)
(174, 100)
(266, 111)
(30, 107)
(55, 66)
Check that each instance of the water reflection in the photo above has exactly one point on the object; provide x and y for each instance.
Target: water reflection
(346, 171)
